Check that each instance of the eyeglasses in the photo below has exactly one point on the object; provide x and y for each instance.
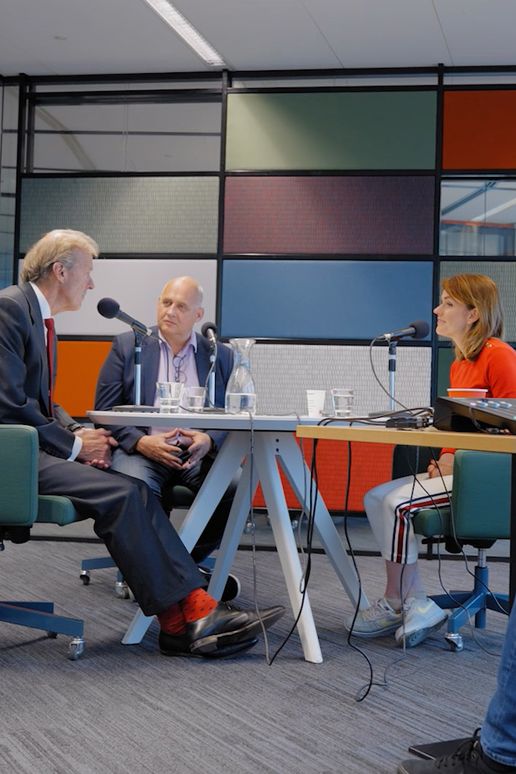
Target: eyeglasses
(178, 362)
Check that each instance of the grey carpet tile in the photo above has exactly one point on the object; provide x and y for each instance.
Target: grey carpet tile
(128, 709)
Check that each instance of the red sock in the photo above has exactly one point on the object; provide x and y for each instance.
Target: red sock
(172, 621)
(197, 604)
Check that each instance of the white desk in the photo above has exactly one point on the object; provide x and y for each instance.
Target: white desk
(273, 440)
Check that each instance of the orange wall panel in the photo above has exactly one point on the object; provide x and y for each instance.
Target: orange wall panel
(370, 465)
(79, 363)
(479, 130)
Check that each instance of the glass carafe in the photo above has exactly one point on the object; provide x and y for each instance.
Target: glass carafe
(241, 391)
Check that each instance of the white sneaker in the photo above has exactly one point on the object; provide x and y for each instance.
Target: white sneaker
(377, 620)
(422, 617)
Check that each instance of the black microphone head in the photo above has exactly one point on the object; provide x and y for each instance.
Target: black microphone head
(108, 307)
(421, 329)
(208, 326)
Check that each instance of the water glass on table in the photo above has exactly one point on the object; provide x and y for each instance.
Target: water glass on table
(169, 395)
(342, 401)
(194, 398)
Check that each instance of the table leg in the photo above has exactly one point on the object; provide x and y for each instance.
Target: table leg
(207, 499)
(265, 462)
(234, 528)
(298, 475)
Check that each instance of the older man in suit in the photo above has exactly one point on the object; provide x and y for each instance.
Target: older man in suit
(74, 461)
(173, 353)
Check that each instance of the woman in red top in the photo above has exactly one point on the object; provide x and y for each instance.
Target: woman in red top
(471, 316)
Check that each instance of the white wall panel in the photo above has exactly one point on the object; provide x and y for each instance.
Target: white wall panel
(136, 286)
(284, 372)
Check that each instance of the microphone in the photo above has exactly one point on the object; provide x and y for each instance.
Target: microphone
(110, 308)
(209, 331)
(417, 330)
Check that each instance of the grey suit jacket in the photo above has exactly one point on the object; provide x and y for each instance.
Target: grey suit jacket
(24, 372)
(115, 384)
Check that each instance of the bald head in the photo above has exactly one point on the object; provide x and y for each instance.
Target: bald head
(179, 309)
(187, 286)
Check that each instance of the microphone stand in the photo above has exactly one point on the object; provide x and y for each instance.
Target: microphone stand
(138, 337)
(211, 375)
(393, 344)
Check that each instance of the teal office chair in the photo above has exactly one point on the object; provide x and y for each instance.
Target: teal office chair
(480, 516)
(20, 507)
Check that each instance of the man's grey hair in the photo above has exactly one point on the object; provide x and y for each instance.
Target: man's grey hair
(56, 246)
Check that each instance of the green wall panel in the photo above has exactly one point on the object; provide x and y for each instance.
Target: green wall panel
(343, 130)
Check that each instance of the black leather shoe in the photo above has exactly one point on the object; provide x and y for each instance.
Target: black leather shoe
(179, 645)
(231, 589)
(227, 626)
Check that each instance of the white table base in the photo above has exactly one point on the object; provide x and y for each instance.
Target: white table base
(268, 447)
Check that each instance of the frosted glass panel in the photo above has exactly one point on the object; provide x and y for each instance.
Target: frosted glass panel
(478, 217)
(125, 215)
(503, 273)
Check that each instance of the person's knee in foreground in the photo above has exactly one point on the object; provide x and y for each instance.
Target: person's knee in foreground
(74, 461)
(494, 749)
(165, 457)
(470, 315)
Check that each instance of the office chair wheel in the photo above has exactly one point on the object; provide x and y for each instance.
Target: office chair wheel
(85, 577)
(52, 635)
(122, 590)
(455, 642)
(76, 648)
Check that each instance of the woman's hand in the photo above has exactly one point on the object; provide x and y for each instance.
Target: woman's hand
(441, 467)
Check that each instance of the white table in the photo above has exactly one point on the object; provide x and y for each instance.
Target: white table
(271, 439)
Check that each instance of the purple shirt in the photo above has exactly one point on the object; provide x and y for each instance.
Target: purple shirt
(176, 368)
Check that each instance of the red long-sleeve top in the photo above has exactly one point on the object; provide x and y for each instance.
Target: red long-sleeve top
(494, 369)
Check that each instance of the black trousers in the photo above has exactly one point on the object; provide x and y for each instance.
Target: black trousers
(129, 519)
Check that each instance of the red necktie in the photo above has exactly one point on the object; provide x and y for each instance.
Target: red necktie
(51, 342)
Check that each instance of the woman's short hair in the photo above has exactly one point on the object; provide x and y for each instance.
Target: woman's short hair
(56, 246)
(478, 292)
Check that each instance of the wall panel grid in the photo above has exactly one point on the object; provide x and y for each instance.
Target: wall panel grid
(126, 214)
(283, 373)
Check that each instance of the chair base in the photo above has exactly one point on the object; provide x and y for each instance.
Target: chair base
(466, 604)
(122, 590)
(40, 615)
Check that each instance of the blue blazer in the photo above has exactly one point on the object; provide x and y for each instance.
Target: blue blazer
(115, 385)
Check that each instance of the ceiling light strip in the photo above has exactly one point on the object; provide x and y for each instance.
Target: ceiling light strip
(187, 31)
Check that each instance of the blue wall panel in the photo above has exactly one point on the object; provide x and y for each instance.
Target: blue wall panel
(323, 299)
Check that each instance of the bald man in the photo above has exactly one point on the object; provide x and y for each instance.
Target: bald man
(174, 353)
